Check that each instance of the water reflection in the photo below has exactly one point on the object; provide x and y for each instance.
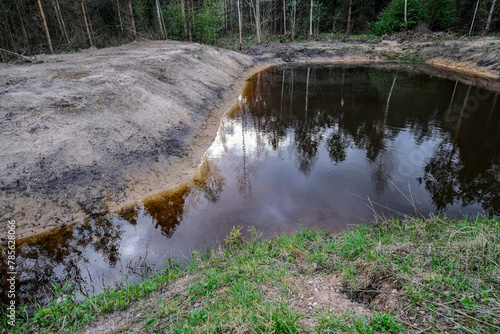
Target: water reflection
(302, 146)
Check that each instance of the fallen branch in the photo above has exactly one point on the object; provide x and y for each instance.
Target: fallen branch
(18, 55)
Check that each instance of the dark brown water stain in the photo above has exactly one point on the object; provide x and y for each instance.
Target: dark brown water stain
(303, 146)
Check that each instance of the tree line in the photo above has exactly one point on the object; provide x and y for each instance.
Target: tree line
(37, 26)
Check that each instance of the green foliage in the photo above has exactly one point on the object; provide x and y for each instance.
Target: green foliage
(206, 286)
(385, 323)
(442, 14)
(235, 238)
(391, 19)
(285, 320)
(143, 12)
(175, 24)
(208, 22)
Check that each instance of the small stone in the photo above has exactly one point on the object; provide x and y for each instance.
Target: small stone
(315, 265)
(315, 304)
(394, 291)
(311, 282)
(309, 304)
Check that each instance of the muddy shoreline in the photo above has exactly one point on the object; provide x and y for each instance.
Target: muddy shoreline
(86, 133)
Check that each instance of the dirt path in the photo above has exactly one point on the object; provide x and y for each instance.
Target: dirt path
(85, 133)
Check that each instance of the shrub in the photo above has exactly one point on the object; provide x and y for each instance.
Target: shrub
(392, 17)
(442, 14)
(207, 23)
(175, 23)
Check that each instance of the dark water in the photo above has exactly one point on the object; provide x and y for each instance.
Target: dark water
(304, 146)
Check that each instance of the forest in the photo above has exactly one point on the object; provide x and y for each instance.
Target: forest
(50, 26)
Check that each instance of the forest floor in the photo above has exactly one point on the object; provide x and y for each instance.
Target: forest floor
(85, 133)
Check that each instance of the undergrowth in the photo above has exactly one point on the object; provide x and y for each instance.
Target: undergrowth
(413, 275)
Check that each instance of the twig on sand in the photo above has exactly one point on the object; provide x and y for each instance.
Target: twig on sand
(22, 57)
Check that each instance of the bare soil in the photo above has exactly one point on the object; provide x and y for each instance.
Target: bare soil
(86, 133)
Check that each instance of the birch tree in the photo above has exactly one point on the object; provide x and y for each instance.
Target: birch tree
(255, 10)
(161, 25)
(294, 17)
(239, 21)
(473, 18)
(284, 18)
(60, 20)
(311, 20)
(490, 16)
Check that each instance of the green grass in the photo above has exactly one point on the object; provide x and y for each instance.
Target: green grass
(437, 275)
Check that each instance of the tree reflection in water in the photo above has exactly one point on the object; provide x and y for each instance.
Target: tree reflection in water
(317, 106)
(60, 257)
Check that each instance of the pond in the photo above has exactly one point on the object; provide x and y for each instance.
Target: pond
(322, 146)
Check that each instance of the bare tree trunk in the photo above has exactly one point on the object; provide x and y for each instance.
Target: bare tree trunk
(130, 16)
(276, 19)
(189, 13)
(257, 19)
(183, 12)
(294, 17)
(44, 20)
(231, 16)
(86, 23)
(60, 20)
(284, 18)
(163, 34)
(490, 16)
(473, 18)
(311, 20)
(406, 14)
(349, 18)
(163, 23)
(119, 14)
(239, 21)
